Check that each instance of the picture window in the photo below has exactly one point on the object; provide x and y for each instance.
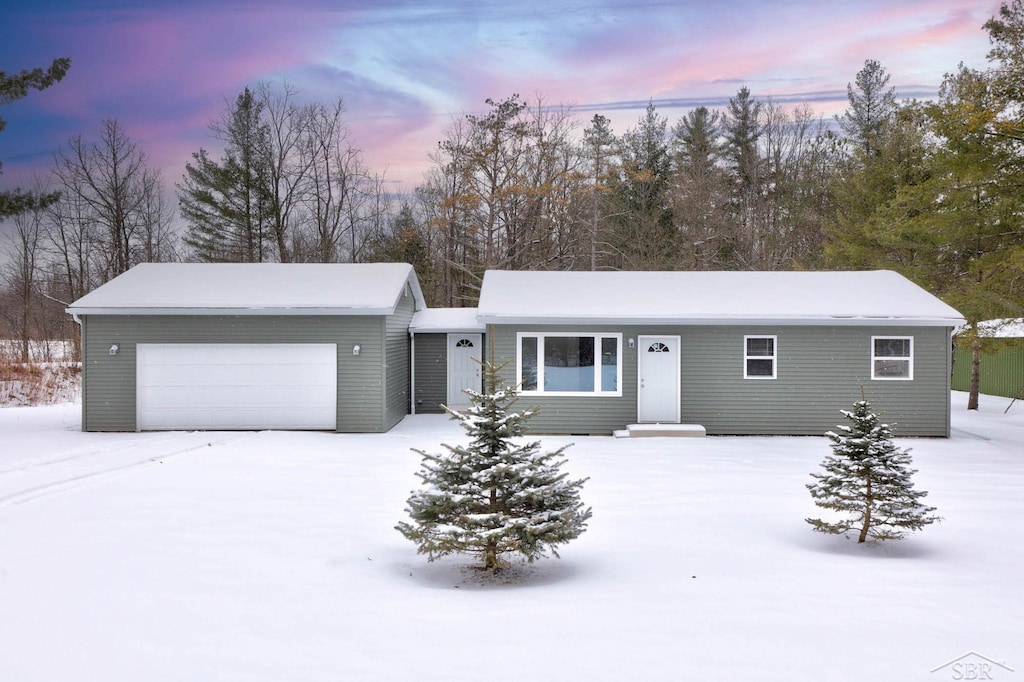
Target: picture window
(570, 364)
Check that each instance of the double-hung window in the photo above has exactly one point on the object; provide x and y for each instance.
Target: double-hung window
(892, 357)
(570, 363)
(759, 356)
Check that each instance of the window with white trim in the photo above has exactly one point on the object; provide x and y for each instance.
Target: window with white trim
(570, 363)
(759, 357)
(892, 357)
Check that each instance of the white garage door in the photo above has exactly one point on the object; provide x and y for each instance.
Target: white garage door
(236, 386)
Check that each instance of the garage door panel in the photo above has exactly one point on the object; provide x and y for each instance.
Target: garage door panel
(236, 386)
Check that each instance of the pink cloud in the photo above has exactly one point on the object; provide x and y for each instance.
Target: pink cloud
(405, 70)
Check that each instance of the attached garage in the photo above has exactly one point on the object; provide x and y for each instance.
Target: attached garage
(224, 386)
(188, 346)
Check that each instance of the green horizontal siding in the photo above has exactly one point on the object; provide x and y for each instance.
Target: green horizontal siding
(587, 414)
(397, 396)
(108, 400)
(820, 371)
(431, 373)
(1001, 371)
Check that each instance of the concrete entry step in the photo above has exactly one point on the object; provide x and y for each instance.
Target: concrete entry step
(662, 430)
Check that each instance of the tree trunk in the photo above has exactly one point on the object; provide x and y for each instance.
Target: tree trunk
(24, 333)
(491, 556)
(867, 515)
(491, 550)
(972, 398)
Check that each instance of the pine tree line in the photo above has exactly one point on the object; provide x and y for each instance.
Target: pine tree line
(522, 187)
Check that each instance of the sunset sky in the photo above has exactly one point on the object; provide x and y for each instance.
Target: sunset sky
(165, 69)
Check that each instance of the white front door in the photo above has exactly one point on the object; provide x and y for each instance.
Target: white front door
(658, 376)
(464, 355)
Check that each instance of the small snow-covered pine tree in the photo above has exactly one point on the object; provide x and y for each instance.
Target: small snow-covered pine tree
(868, 477)
(494, 496)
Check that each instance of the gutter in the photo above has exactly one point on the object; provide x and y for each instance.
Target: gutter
(725, 321)
(412, 372)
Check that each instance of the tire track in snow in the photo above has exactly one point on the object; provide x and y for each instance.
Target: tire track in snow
(77, 481)
(82, 453)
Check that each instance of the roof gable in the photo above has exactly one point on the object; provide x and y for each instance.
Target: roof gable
(253, 288)
(878, 297)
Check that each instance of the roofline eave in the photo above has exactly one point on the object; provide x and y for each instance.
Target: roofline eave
(845, 321)
(269, 310)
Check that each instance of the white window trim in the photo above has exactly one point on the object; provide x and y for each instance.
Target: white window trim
(909, 359)
(774, 357)
(597, 336)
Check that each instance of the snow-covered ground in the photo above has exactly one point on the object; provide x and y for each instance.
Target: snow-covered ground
(272, 556)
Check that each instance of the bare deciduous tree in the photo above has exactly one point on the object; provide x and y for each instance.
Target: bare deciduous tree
(21, 271)
(287, 167)
(117, 194)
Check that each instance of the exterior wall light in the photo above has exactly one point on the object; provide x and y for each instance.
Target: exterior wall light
(113, 349)
(355, 349)
(631, 343)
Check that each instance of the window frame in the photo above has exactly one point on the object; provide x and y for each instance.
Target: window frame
(909, 358)
(597, 337)
(774, 357)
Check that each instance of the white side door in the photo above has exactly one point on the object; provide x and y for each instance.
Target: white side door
(658, 378)
(464, 356)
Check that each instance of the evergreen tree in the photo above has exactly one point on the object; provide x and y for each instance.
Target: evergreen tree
(228, 204)
(494, 496)
(402, 239)
(872, 106)
(939, 196)
(699, 193)
(865, 186)
(959, 233)
(868, 477)
(599, 150)
(13, 88)
(742, 130)
(644, 220)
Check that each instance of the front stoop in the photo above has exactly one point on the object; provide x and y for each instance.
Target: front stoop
(662, 430)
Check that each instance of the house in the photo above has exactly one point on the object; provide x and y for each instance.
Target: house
(737, 352)
(353, 348)
(248, 346)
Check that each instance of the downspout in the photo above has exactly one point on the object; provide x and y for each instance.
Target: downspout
(949, 376)
(412, 373)
(81, 350)
(81, 337)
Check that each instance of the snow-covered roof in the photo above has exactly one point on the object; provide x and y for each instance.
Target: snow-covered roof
(445, 320)
(835, 298)
(253, 289)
